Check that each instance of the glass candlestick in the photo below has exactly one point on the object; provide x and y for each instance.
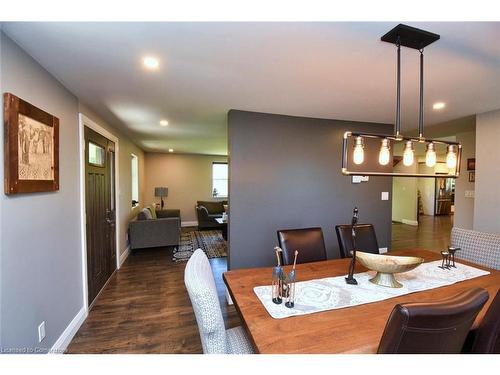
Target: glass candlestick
(277, 285)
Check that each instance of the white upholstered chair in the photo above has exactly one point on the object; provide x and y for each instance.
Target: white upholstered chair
(200, 285)
(477, 247)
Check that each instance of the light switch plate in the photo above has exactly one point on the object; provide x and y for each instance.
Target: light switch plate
(359, 179)
(469, 193)
(385, 196)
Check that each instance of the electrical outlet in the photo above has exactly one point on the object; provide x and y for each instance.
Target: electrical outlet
(385, 196)
(382, 250)
(41, 331)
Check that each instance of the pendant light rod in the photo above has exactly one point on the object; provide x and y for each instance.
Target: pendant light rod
(421, 114)
(397, 130)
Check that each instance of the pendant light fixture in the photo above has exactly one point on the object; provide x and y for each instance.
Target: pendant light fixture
(358, 154)
(430, 155)
(408, 155)
(384, 155)
(410, 37)
(451, 157)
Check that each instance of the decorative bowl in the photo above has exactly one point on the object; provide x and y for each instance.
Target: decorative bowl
(386, 266)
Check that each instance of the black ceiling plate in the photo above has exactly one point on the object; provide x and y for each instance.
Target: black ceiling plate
(410, 37)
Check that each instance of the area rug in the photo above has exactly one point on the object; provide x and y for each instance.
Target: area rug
(210, 241)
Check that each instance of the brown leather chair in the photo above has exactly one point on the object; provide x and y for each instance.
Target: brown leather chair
(366, 239)
(308, 242)
(487, 335)
(433, 327)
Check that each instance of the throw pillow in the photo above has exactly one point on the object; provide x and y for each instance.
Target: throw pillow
(153, 211)
(147, 214)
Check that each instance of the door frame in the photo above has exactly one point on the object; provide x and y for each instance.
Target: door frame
(85, 121)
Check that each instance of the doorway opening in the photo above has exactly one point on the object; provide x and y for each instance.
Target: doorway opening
(423, 208)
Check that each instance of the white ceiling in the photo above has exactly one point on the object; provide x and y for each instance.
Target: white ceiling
(326, 70)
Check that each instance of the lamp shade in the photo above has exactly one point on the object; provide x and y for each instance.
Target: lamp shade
(161, 191)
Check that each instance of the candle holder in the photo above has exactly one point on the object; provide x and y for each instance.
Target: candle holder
(445, 264)
(452, 251)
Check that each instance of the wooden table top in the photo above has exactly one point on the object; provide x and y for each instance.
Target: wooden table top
(356, 329)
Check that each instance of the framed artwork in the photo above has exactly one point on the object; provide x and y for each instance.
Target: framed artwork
(471, 164)
(472, 176)
(31, 148)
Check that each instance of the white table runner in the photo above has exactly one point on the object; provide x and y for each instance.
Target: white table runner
(333, 293)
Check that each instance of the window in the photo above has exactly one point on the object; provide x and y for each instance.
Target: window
(97, 155)
(135, 180)
(219, 180)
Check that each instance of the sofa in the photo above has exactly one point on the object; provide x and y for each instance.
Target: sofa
(477, 247)
(155, 228)
(207, 212)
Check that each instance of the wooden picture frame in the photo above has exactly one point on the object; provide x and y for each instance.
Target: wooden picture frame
(472, 176)
(471, 164)
(31, 148)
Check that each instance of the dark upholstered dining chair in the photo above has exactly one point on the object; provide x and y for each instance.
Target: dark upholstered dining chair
(432, 328)
(309, 242)
(487, 335)
(366, 239)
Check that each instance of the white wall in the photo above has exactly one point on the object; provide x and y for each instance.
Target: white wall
(404, 196)
(464, 206)
(487, 201)
(188, 178)
(427, 188)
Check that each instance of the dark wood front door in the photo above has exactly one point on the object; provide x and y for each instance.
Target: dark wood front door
(100, 210)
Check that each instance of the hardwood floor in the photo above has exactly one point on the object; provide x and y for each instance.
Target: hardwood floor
(432, 233)
(145, 307)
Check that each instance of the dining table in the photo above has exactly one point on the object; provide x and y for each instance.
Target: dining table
(355, 329)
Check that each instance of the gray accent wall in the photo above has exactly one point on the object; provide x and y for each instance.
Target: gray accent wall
(41, 270)
(40, 239)
(285, 172)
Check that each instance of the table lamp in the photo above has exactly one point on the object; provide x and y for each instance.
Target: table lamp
(161, 192)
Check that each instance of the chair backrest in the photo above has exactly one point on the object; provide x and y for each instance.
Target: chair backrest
(487, 339)
(366, 239)
(309, 242)
(477, 247)
(202, 291)
(433, 327)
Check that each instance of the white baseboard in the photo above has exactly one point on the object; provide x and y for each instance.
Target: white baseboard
(410, 222)
(124, 255)
(63, 341)
(228, 298)
(189, 224)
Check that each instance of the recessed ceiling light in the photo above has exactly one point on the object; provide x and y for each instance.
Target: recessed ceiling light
(151, 63)
(164, 123)
(170, 150)
(439, 105)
